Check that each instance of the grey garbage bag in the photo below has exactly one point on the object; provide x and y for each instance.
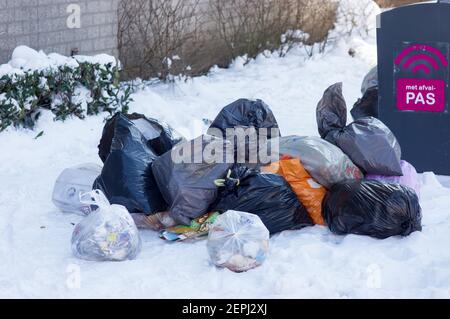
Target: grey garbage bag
(325, 162)
(238, 241)
(186, 175)
(107, 234)
(368, 142)
(370, 80)
(367, 105)
(70, 184)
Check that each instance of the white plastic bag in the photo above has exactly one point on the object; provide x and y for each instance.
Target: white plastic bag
(107, 234)
(70, 184)
(238, 241)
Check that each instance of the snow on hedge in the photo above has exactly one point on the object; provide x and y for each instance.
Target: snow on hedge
(25, 59)
(67, 86)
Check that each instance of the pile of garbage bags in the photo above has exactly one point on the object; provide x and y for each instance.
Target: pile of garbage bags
(351, 179)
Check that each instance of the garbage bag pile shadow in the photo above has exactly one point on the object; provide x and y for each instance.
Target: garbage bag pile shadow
(268, 196)
(160, 137)
(127, 178)
(373, 209)
(249, 116)
(368, 142)
(188, 184)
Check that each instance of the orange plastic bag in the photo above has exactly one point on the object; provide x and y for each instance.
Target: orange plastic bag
(308, 191)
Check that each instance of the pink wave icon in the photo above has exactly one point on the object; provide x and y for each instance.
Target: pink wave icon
(424, 59)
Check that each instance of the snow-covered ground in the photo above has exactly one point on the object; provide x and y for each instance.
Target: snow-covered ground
(36, 260)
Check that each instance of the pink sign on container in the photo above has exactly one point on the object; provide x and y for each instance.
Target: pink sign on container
(427, 95)
(421, 75)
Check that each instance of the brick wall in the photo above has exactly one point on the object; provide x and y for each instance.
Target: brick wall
(42, 24)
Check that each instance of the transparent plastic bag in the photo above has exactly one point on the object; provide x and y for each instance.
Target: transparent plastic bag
(238, 241)
(70, 184)
(107, 234)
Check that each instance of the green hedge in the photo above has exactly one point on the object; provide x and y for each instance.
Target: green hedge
(23, 95)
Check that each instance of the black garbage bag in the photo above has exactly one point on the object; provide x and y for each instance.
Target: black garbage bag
(160, 137)
(126, 178)
(251, 116)
(367, 105)
(186, 175)
(267, 195)
(368, 142)
(372, 208)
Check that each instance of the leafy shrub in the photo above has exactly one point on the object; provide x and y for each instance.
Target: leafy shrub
(85, 89)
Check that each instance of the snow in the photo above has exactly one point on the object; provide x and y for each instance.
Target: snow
(24, 58)
(311, 263)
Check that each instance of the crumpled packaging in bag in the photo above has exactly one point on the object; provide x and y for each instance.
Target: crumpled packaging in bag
(107, 234)
(368, 142)
(238, 241)
(410, 178)
(186, 175)
(159, 136)
(309, 192)
(127, 177)
(268, 196)
(325, 162)
(372, 208)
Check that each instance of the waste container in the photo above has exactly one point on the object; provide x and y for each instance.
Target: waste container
(413, 71)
